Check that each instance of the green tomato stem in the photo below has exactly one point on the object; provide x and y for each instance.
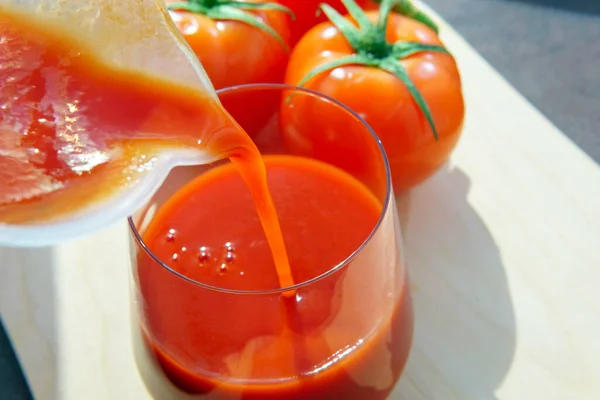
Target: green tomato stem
(405, 7)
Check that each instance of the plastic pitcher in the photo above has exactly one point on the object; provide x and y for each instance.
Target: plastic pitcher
(137, 35)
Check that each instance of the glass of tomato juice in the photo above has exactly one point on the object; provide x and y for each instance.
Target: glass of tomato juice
(210, 318)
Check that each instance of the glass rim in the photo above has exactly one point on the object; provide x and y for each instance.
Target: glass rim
(342, 264)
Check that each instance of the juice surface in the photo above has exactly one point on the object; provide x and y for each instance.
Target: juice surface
(285, 348)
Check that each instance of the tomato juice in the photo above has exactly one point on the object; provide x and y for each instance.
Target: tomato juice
(68, 119)
(329, 341)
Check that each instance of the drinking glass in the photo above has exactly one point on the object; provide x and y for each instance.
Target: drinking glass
(352, 325)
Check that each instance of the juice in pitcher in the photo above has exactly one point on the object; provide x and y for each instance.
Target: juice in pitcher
(91, 118)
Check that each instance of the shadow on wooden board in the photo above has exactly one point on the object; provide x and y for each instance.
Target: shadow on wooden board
(464, 319)
(31, 320)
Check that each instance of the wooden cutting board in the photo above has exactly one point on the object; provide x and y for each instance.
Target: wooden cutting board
(503, 248)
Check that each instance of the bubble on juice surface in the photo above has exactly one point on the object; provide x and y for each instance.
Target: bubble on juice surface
(229, 257)
(203, 255)
(222, 269)
(175, 256)
(229, 247)
(171, 234)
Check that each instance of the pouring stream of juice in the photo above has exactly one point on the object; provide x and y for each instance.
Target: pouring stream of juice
(87, 135)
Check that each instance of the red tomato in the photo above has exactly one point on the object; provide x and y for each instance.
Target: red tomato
(306, 14)
(232, 51)
(381, 97)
